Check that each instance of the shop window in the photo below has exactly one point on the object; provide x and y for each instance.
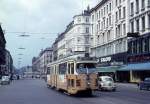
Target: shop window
(146, 43)
(140, 46)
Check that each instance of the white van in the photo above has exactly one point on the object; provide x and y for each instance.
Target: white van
(106, 83)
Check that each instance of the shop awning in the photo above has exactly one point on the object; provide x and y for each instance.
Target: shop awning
(107, 69)
(136, 67)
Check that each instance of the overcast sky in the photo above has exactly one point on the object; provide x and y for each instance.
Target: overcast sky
(36, 16)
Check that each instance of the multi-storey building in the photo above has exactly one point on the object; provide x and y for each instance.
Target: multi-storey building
(2, 51)
(121, 38)
(109, 29)
(139, 43)
(76, 38)
(45, 58)
(9, 70)
(39, 63)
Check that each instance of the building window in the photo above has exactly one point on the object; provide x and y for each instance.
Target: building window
(92, 17)
(86, 40)
(137, 6)
(116, 32)
(104, 23)
(116, 16)
(143, 23)
(87, 19)
(149, 21)
(99, 26)
(124, 29)
(132, 26)
(119, 1)
(109, 20)
(103, 38)
(99, 14)
(108, 36)
(87, 49)
(104, 10)
(143, 4)
(87, 29)
(78, 39)
(119, 13)
(148, 3)
(119, 30)
(132, 9)
(124, 45)
(137, 25)
(109, 6)
(116, 2)
(124, 12)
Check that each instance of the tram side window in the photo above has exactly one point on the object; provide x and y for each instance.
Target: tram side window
(62, 68)
(72, 68)
(68, 68)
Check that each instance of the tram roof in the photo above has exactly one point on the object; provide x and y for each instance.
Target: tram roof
(78, 58)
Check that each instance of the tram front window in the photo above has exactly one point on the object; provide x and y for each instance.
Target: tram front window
(85, 68)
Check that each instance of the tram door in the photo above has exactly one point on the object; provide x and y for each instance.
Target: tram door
(71, 81)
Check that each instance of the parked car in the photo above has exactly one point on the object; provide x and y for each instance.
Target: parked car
(145, 84)
(106, 83)
(5, 80)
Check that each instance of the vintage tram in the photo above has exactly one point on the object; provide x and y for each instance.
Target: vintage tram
(74, 74)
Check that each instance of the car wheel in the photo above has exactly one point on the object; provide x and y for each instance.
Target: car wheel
(114, 89)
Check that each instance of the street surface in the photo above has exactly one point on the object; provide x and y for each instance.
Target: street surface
(35, 92)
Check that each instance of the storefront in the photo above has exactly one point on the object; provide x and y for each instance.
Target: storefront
(109, 65)
(138, 58)
(137, 71)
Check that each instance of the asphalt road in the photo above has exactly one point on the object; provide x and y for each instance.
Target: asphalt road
(36, 92)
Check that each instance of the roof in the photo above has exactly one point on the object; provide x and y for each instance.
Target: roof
(78, 57)
(98, 5)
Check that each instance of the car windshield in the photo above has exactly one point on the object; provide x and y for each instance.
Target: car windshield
(107, 79)
(85, 68)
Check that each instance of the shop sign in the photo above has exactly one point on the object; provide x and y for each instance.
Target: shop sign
(106, 59)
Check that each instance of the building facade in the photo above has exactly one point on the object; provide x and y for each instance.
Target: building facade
(139, 41)
(9, 69)
(120, 38)
(39, 64)
(2, 51)
(109, 28)
(76, 38)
